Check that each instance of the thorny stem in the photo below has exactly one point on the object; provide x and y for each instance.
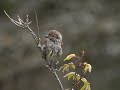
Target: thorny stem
(21, 23)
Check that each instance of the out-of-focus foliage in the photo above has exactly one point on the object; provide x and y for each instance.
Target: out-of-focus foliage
(90, 25)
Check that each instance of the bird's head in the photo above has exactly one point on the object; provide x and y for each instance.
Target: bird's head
(54, 35)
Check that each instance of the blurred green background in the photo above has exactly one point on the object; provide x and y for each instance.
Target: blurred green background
(90, 25)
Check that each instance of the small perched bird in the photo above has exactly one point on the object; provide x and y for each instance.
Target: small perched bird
(52, 46)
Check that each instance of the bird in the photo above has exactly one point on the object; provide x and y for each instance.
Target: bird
(52, 46)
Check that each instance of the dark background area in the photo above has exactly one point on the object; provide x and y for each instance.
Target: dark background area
(90, 25)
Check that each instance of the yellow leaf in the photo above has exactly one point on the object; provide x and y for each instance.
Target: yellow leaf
(72, 65)
(83, 88)
(84, 80)
(69, 57)
(86, 85)
(65, 68)
(70, 75)
(89, 87)
(77, 77)
(88, 67)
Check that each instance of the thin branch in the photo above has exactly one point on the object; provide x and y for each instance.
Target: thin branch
(21, 23)
(39, 44)
(33, 34)
(55, 74)
(25, 24)
(60, 83)
(14, 21)
(36, 17)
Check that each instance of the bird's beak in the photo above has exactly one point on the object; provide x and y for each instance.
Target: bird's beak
(46, 36)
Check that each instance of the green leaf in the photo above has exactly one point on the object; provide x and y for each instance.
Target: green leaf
(84, 80)
(65, 68)
(70, 75)
(83, 88)
(69, 57)
(89, 87)
(72, 65)
(73, 75)
(77, 77)
(86, 85)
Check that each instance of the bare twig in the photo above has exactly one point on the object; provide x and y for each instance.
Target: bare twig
(36, 17)
(33, 34)
(25, 24)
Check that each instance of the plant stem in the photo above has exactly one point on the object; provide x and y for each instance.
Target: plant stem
(60, 84)
(55, 74)
(21, 23)
(50, 68)
(33, 34)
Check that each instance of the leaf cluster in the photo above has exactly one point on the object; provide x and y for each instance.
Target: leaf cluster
(72, 71)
